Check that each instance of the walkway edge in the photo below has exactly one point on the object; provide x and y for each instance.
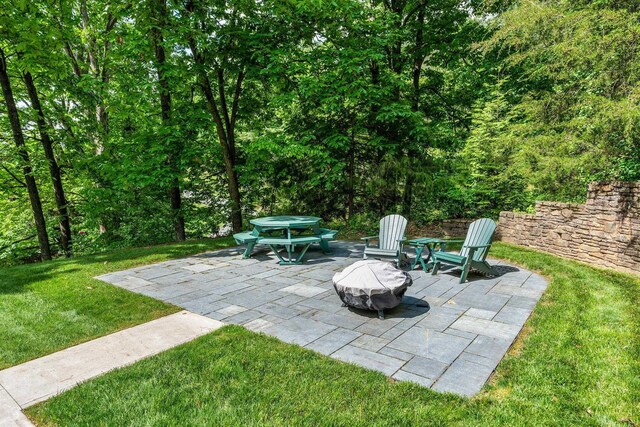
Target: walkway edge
(10, 412)
(40, 379)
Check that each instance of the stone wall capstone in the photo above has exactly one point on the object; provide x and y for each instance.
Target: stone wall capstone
(605, 231)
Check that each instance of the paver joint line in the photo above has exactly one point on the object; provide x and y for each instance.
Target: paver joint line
(445, 335)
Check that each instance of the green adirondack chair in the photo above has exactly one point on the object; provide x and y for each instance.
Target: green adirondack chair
(474, 250)
(391, 239)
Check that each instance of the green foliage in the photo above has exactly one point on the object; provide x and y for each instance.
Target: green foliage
(569, 111)
(345, 109)
(490, 177)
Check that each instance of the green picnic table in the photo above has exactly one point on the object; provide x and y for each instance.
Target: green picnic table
(287, 231)
(428, 243)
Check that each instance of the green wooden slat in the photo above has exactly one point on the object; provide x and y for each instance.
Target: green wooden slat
(479, 235)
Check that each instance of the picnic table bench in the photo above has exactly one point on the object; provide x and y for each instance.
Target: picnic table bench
(286, 232)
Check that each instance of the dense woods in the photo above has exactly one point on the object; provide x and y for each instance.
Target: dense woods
(132, 123)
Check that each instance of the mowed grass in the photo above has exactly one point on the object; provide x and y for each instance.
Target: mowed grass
(48, 306)
(577, 362)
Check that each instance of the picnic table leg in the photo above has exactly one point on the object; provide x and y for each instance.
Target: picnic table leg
(248, 250)
(290, 252)
(275, 251)
(301, 256)
(324, 245)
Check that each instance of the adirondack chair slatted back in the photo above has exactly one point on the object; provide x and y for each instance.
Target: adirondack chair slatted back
(480, 233)
(392, 228)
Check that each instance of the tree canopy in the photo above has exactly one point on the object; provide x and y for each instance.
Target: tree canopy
(132, 123)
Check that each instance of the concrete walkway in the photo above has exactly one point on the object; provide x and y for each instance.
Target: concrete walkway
(37, 380)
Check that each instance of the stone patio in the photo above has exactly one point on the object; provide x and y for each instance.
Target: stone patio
(445, 335)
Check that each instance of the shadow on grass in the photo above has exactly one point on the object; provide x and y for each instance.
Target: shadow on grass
(17, 279)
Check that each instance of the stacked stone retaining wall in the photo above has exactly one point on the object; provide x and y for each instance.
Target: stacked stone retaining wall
(605, 231)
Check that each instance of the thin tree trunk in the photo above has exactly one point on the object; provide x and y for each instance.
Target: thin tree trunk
(92, 52)
(176, 207)
(160, 15)
(234, 192)
(351, 176)
(18, 137)
(412, 153)
(93, 58)
(54, 169)
(227, 154)
(226, 135)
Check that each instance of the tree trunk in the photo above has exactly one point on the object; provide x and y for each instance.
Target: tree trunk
(351, 175)
(92, 59)
(407, 196)
(234, 187)
(234, 192)
(228, 154)
(224, 129)
(176, 208)
(54, 169)
(412, 153)
(160, 16)
(32, 188)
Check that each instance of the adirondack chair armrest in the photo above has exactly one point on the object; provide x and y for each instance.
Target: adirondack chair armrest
(366, 239)
(474, 248)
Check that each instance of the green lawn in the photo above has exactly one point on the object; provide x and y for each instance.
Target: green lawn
(577, 363)
(48, 306)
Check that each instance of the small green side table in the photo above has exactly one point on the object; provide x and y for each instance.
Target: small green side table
(428, 243)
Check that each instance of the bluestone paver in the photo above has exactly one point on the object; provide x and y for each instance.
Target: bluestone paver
(512, 315)
(299, 330)
(486, 327)
(388, 351)
(439, 319)
(481, 314)
(430, 344)
(304, 290)
(513, 290)
(491, 348)
(463, 377)
(369, 359)
(425, 367)
(370, 342)
(333, 341)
